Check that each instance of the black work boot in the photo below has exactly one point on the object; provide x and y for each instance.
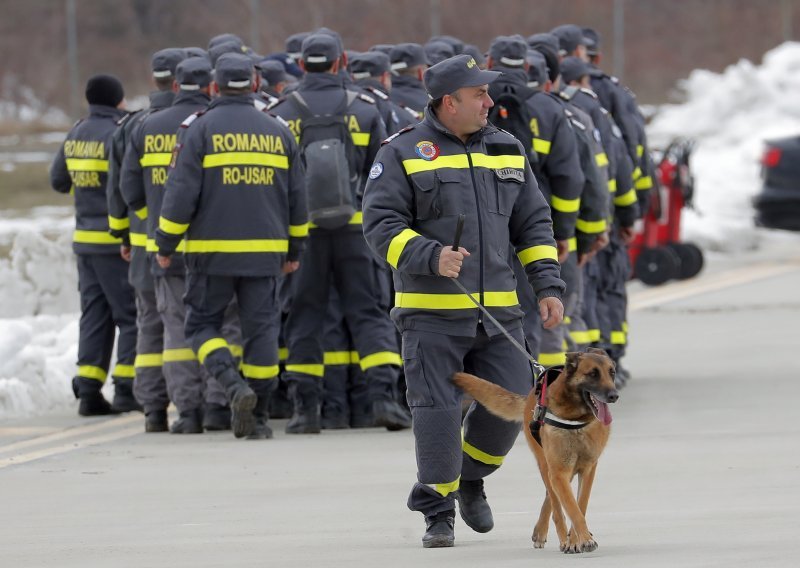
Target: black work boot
(156, 421)
(389, 413)
(261, 430)
(336, 421)
(242, 399)
(473, 506)
(439, 530)
(190, 422)
(305, 419)
(124, 401)
(280, 406)
(92, 401)
(216, 418)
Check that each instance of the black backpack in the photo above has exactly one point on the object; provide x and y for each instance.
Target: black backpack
(511, 113)
(328, 153)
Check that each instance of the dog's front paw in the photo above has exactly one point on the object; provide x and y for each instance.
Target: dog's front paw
(538, 539)
(575, 546)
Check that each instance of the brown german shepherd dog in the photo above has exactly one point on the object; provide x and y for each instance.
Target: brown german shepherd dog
(573, 435)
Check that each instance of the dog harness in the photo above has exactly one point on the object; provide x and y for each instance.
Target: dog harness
(541, 415)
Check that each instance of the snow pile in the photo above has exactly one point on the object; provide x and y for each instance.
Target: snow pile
(27, 107)
(730, 115)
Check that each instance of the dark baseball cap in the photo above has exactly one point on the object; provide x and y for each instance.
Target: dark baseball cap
(193, 73)
(547, 45)
(272, 71)
(294, 44)
(234, 70)
(225, 38)
(288, 63)
(383, 48)
(537, 68)
(405, 55)
(573, 68)
(219, 49)
(165, 61)
(196, 52)
(475, 52)
(334, 34)
(509, 51)
(321, 48)
(437, 51)
(454, 42)
(569, 37)
(593, 41)
(450, 75)
(370, 64)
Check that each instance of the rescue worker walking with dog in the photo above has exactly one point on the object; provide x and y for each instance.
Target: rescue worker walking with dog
(455, 163)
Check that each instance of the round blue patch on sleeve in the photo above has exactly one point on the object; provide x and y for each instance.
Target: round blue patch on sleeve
(376, 171)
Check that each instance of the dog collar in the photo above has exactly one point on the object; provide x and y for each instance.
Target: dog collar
(553, 420)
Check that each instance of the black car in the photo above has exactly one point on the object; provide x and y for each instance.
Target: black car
(778, 204)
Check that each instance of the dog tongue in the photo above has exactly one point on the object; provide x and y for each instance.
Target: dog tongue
(603, 413)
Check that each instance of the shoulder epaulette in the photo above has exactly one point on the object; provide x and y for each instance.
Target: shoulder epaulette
(125, 118)
(412, 112)
(589, 92)
(366, 98)
(614, 80)
(577, 123)
(192, 117)
(259, 104)
(398, 133)
(378, 93)
(615, 130)
(278, 118)
(275, 103)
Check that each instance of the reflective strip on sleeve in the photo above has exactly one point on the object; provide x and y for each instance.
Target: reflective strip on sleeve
(210, 346)
(360, 138)
(357, 218)
(454, 301)
(94, 238)
(637, 173)
(591, 227)
(238, 246)
(627, 199)
(625, 326)
(618, 338)
(298, 230)
(552, 359)
(170, 227)
(639, 150)
(445, 489)
(381, 358)
(336, 358)
(644, 183)
(152, 247)
(260, 371)
(124, 371)
(541, 146)
(245, 159)
(179, 355)
(118, 224)
(155, 159)
(86, 165)
(141, 213)
(601, 159)
(138, 239)
(307, 369)
(565, 205)
(92, 372)
(398, 244)
(539, 252)
(149, 360)
(481, 456)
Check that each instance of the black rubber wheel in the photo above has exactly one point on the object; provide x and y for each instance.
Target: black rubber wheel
(691, 259)
(655, 266)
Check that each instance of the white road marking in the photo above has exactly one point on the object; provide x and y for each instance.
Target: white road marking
(71, 432)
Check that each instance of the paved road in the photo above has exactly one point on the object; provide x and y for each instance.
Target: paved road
(703, 467)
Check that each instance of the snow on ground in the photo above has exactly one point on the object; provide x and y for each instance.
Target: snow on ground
(728, 114)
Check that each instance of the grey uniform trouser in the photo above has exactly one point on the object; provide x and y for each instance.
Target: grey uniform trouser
(149, 386)
(188, 385)
(612, 298)
(430, 359)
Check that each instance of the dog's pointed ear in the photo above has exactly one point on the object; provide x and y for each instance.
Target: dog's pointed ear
(597, 351)
(573, 358)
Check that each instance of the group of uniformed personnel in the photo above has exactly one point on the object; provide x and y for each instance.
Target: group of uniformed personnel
(196, 237)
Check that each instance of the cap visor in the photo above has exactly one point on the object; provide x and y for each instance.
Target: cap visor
(482, 78)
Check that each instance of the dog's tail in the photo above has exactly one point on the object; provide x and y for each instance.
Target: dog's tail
(496, 399)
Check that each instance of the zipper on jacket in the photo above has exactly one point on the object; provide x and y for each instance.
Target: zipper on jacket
(480, 229)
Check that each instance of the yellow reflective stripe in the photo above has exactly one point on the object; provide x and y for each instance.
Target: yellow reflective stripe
(124, 371)
(644, 182)
(567, 320)
(178, 355)
(580, 337)
(336, 358)
(637, 173)
(460, 161)
(552, 359)
(612, 186)
(141, 213)
(618, 338)
(138, 239)
(625, 326)
(236, 350)
(118, 224)
(565, 205)
(310, 369)
(171, 227)
(594, 335)
(86, 165)
(298, 230)
(149, 360)
(242, 246)
(398, 244)
(627, 199)
(245, 159)
(572, 244)
(591, 226)
(601, 159)
(92, 372)
(94, 238)
(283, 354)
(209, 346)
(445, 489)
(360, 138)
(356, 219)
(155, 159)
(481, 456)
(541, 145)
(454, 301)
(354, 358)
(152, 247)
(260, 371)
(639, 150)
(539, 252)
(380, 358)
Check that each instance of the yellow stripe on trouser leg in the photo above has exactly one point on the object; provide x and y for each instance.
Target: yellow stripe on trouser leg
(445, 489)
(150, 360)
(618, 338)
(552, 359)
(209, 346)
(580, 337)
(594, 335)
(124, 371)
(283, 354)
(179, 355)
(336, 358)
(92, 372)
(236, 350)
(314, 370)
(260, 371)
(481, 456)
(381, 358)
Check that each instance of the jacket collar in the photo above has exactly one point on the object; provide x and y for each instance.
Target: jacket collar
(161, 99)
(432, 121)
(321, 81)
(232, 100)
(106, 111)
(407, 81)
(191, 97)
